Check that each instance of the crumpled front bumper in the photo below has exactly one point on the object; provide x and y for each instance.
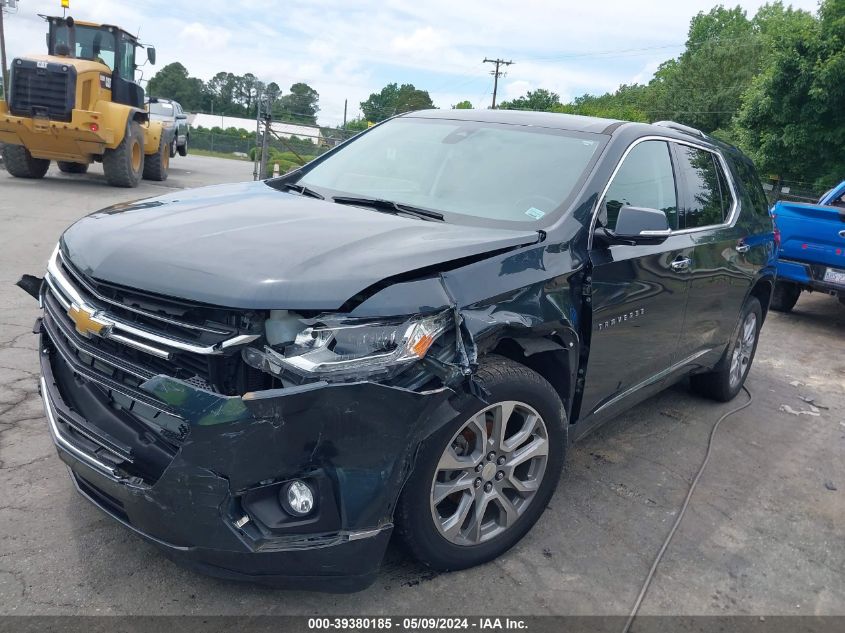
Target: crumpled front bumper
(354, 442)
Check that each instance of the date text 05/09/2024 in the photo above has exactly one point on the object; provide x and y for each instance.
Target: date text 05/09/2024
(416, 623)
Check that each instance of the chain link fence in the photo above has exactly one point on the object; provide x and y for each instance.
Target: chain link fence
(284, 153)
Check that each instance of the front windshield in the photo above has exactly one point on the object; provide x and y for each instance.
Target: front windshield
(502, 174)
(161, 111)
(96, 44)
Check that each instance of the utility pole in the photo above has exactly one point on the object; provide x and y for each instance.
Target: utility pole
(496, 74)
(5, 74)
(268, 120)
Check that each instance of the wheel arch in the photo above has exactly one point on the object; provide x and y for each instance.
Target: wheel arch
(549, 356)
(762, 290)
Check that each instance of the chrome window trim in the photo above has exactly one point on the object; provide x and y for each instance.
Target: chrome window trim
(732, 216)
(72, 296)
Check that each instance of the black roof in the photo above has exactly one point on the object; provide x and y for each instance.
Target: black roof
(574, 122)
(553, 120)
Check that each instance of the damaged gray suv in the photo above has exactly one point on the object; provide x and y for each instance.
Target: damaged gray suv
(268, 379)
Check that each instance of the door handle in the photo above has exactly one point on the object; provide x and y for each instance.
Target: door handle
(682, 263)
(742, 248)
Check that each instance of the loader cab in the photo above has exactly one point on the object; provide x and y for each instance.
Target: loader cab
(109, 45)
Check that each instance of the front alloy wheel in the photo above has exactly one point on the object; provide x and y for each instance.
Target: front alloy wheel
(489, 473)
(484, 478)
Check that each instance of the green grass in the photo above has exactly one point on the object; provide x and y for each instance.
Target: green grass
(208, 152)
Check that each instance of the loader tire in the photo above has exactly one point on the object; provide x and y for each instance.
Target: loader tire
(20, 163)
(156, 165)
(124, 165)
(72, 168)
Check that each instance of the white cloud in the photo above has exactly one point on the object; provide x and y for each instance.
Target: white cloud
(199, 35)
(422, 41)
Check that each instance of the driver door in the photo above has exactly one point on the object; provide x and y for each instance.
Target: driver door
(639, 293)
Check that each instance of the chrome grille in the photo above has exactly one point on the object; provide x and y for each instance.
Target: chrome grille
(116, 346)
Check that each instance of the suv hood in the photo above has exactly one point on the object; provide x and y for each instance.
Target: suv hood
(250, 246)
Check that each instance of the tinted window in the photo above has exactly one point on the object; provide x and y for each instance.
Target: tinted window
(487, 171)
(752, 190)
(704, 183)
(162, 109)
(645, 179)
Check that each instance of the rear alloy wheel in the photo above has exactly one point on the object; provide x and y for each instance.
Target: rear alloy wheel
(725, 381)
(72, 168)
(481, 481)
(785, 296)
(21, 164)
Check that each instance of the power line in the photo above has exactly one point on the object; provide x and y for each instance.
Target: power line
(496, 74)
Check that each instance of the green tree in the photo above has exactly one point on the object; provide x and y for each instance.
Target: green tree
(628, 103)
(540, 99)
(300, 105)
(220, 91)
(173, 82)
(792, 120)
(704, 86)
(462, 105)
(394, 99)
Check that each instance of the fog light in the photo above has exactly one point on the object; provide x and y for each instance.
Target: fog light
(298, 498)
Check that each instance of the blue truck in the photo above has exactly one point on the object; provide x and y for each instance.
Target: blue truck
(811, 255)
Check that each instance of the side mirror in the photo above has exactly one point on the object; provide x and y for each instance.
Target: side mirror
(637, 225)
(151, 55)
(181, 117)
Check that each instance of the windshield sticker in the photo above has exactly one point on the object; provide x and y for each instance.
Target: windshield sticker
(535, 213)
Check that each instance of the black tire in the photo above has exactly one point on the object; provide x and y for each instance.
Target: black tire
(72, 168)
(174, 147)
(785, 296)
(156, 165)
(20, 163)
(717, 384)
(415, 523)
(122, 165)
(183, 149)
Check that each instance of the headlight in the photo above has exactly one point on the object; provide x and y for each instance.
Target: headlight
(337, 348)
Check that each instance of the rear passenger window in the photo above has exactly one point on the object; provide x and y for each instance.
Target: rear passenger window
(752, 190)
(645, 179)
(707, 198)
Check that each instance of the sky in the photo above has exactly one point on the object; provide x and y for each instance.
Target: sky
(349, 49)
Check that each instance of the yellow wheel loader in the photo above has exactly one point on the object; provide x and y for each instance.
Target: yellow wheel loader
(80, 104)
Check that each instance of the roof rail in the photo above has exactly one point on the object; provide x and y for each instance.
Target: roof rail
(682, 128)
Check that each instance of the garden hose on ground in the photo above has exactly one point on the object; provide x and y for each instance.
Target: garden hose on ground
(683, 510)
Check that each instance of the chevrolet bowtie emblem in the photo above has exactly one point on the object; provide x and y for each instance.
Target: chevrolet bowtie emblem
(86, 322)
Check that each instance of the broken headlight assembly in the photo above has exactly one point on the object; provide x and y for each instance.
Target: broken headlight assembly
(337, 349)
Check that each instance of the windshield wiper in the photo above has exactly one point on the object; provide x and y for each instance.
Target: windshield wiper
(302, 190)
(390, 207)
